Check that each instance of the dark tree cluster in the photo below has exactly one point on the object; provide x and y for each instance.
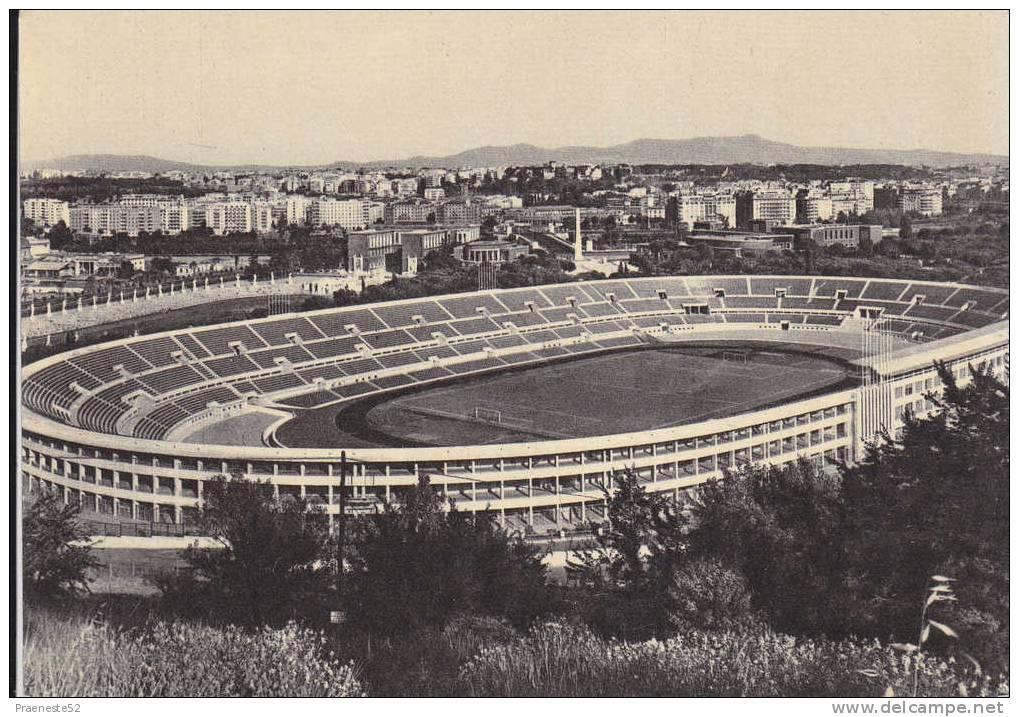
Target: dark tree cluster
(813, 551)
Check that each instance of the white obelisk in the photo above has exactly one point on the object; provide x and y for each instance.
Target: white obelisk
(578, 247)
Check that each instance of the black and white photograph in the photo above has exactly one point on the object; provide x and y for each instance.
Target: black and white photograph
(510, 354)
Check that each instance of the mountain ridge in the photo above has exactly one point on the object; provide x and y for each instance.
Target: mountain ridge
(740, 149)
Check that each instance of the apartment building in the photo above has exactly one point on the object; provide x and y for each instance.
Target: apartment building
(773, 205)
(409, 212)
(459, 211)
(174, 217)
(109, 219)
(813, 207)
(297, 207)
(345, 213)
(229, 217)
(262, 217)
(926, 201)
(690, 208)
(47, 212)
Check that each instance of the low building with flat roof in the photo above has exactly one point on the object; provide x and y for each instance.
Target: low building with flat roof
(740, 243)
(826, 235)
(490, 251)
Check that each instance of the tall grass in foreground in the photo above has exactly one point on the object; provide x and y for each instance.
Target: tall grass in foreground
(81, 656)
(77, 656)
(557, 659)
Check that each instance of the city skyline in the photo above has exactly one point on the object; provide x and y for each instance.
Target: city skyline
(309, 88)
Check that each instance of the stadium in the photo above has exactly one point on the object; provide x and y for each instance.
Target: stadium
(520, 401)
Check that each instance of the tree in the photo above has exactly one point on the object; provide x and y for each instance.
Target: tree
(272, 562)
(708, 594)
(162, 265)
(624, 577)
(905, 227)
(57, 554)
(125, 270)
(416, 564)
(60, 236)
(440, 260)
(780, 529)
(935, 500)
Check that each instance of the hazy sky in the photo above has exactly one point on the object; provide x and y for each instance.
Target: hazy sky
(273, 87)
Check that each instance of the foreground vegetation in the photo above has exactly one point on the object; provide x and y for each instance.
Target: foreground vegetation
(77, 655)
(789, 581)
(83, 655)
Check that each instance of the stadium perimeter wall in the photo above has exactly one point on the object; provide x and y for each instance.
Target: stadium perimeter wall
(539, 486)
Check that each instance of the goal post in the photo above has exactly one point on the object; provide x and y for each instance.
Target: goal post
(487, 415)
(736, 355)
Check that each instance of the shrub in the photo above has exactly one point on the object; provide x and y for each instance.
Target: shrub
(624, 579)
(708, 594)
(563, 660)
(424, 662)
(271, 566)
(86, 657)
(781, 528)
(934, 500)
(57, 554)
(417, 565)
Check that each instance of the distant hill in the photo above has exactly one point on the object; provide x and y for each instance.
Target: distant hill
(134, 163)
(743, 149)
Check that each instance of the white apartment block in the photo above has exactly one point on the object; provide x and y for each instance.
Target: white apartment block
(228, 217)
(174, 217)
(345, 213)
(433, 177)
(196, 214)
(261, 217)
(864, 188)
(297, 209)
(109, 219)
(501, 201)
(780, 208)
(47, 211)
(777, 206)
(811, 210)
(926, 201)
(143, 200)
(373, 212)
(404, 187)
(705, 207)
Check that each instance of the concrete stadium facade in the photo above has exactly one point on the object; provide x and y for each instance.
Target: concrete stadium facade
(84, 417)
